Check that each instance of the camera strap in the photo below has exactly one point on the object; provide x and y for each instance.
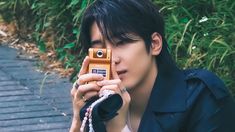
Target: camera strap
(88, 115)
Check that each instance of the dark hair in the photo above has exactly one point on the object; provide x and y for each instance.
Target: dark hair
(118, 18)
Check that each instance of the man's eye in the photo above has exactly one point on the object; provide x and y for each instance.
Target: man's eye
(97, 46)
(124, 42)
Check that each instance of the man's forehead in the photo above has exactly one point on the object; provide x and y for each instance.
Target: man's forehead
(95, 32)
(97, 37)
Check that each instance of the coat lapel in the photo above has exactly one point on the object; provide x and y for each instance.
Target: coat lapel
(168, 95)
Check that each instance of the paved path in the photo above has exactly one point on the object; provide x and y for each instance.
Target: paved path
(22, 107)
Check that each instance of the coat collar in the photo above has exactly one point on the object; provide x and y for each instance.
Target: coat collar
(169, 93)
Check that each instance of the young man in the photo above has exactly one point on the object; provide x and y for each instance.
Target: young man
(159, 97)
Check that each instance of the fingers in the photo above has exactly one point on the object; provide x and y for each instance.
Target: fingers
(117, 89)
(108, 82)
(85, 92)
(72, 92)
(77, 101)
(89, 95)
(111, 83)
(113, 87)
(82, 94)
(88, 87)
(84, 67)
(83, 79)
(78, 96)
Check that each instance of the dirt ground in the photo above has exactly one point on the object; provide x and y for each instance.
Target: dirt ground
(9, 35)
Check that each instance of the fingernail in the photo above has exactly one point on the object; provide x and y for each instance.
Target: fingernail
(85, 59)
(101, 77)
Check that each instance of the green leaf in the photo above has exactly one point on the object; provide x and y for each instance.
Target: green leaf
(73, 3)
(47, 24)
(184, 20)
(84, 4)
(2, 3)
(62, 55)
(37, 26)
(75, 31)
(42, 46)
(69, 45)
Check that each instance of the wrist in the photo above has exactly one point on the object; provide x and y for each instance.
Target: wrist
(76, 116)
(75, 126)
(76, 123)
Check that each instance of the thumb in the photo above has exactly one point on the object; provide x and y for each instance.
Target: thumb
(84, 67)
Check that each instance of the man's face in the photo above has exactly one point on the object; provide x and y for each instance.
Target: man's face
(133, 63)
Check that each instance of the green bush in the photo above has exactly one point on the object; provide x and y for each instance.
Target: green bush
(200, 33)
(18, 11)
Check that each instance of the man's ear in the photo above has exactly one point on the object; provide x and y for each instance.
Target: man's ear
(156, 45)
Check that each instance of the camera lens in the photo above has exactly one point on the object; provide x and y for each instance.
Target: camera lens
(99, 53)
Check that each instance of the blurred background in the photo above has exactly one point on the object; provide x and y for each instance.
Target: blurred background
(200, 33)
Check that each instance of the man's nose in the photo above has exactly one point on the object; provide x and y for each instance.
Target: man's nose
(115, 58)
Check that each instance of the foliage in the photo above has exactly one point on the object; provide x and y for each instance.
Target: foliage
(17, 10)
(200, 33)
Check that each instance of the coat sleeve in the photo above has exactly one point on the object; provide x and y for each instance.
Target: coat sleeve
(213, 109)
(209, 114)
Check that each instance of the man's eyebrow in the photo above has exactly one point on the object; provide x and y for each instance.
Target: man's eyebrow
(93, 42)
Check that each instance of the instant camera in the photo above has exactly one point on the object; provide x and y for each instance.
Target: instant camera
(100, 61)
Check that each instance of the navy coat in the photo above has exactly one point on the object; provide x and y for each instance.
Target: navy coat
(188, 101)
(180, 101)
